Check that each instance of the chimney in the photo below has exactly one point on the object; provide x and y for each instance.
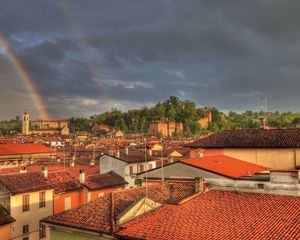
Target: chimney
(126, 150)
(81, 176)
(110, 152)
(262, 123)
(117, 153)
(72, 163)
(58, 159)
(30, 160)
(150, 152)
(92, 162)
(199, 184)
(45, 171)
(22, 169)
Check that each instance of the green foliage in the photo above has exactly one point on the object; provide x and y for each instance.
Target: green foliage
(186, 112)
(12, 126)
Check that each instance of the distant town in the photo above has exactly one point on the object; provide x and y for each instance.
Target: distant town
(122, 175)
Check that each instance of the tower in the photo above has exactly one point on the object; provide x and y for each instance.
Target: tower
(25, 123)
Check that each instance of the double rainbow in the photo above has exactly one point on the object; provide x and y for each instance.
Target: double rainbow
(24, 76)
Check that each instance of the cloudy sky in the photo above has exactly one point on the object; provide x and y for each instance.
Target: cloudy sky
(86, 57)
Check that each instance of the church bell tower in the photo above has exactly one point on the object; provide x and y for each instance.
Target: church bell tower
(25, 123)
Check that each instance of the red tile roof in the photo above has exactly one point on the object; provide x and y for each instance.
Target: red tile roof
(251, 138)
(225, 165)
(134, 157)
(100, 215)
(105, 180)
(18, 148)
(34, 181)
(220, 215)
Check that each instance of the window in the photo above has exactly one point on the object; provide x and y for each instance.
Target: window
(141, 168)
(68, 203)
(130, 170)
(150, 166)
(25, 238)
(25, 202)
(260, 186)
(42, 199)
(25, 229)
(42, 230)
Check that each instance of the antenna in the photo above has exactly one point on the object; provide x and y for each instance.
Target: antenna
(146, 173)
(162, 161)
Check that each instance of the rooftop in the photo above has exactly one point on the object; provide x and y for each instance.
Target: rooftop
(104, 180)
(220, 215)
(251, 138)
(134, 157)
(225, 165)
(18, 148)
(100, 215)
(34, 181)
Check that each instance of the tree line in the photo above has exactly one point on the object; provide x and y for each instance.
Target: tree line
(174, 109)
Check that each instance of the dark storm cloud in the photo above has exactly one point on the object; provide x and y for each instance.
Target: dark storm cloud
(88, 56)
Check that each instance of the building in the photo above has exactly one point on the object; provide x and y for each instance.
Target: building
(28, 198)
(207, 119)
(25, 123)
(127, 164)
(44, 126)
(103, 217)
(272, 148)
(165, 128)
(98, 185)
(14, 155)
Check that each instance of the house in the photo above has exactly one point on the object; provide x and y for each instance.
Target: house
(127, 164)
(103, 217)
(98, 185)
(101, 128)
(115, 134)
(272, 148)
(13, 155)
(51, 141)
(166, 128)
(222, 171)
(220, 215)
(28, 198)
(5, 224)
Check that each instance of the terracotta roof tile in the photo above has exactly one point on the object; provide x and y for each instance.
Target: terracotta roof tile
(220, 215)
(225, 165)
(34, 181)
(104, 180)
(96, 215)
(18, 148)
(256, 138)
(134, 157)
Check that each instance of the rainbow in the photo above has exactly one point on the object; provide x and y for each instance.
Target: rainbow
(25, 77)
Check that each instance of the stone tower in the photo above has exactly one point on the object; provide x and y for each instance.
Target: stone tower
(25, 123)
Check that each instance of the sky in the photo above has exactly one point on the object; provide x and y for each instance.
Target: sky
(86, 57)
